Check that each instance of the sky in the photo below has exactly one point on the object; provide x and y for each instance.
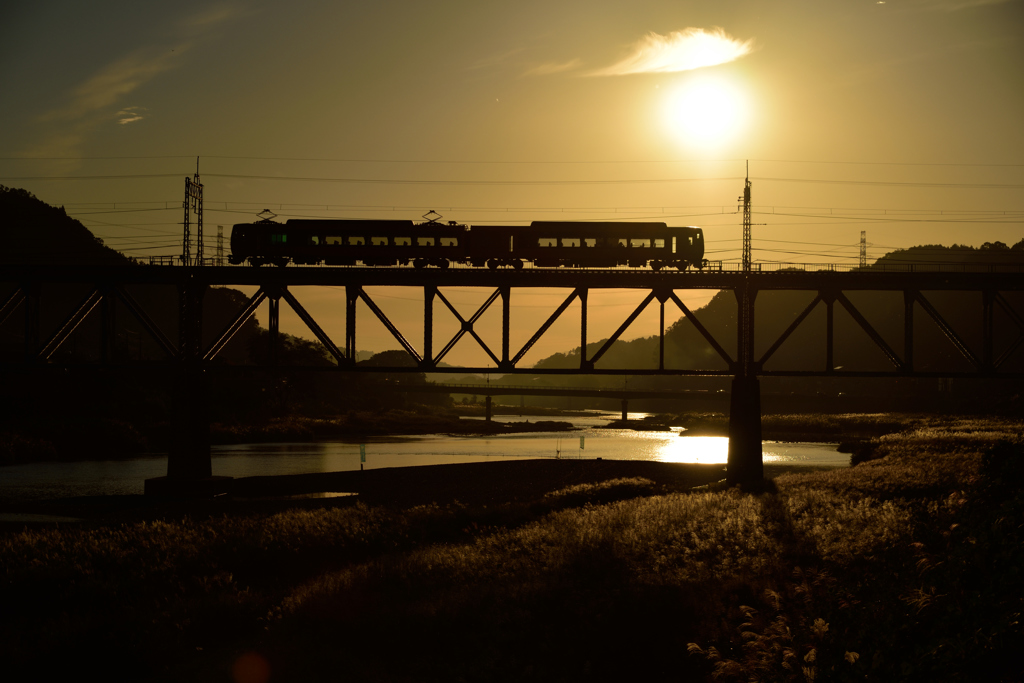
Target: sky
(901, 118)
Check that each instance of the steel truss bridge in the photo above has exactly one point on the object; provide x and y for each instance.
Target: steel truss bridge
(192, 357)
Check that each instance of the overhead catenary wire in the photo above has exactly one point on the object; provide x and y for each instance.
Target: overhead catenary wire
(514, 183)
(802, 216)
(521, 161)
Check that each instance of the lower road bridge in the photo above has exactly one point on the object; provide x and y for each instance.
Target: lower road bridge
(701, 398)
(991, 348)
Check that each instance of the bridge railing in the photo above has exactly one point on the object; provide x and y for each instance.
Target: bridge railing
(716, 267)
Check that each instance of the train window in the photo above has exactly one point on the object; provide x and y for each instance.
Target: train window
(589, 243)
(639, 243)
(673, 244)
(354, 241)
(623, 243)
(659, 243)
(334, 239)
(425, 241)
(547, 242)
(570, 242)
(278, 238)
(403, 241)
(449, 241)
(379, 241)
(691, 240)
(314, 240)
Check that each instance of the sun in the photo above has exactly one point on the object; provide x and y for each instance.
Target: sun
(706, 113)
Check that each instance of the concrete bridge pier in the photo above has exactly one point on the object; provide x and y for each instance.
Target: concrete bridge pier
(189, 456)
(189, 466)
(745, 464)
(487, 408)
(625, 410)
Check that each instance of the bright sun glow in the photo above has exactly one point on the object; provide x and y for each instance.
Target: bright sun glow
(706, 113)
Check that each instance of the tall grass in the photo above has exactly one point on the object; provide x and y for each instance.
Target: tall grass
(907, 567)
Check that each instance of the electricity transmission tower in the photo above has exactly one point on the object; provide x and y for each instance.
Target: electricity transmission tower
(746, 222)
(193, 204)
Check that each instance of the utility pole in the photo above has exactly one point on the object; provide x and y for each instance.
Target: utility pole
(863, 249)
(193, 204)
(220, 245)
(746, 222)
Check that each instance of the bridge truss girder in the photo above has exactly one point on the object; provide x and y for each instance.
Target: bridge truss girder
(507, 362)
(189, 459)
(109, 286)
(987, 365)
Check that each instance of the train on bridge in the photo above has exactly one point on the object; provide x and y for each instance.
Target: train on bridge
(403, 243)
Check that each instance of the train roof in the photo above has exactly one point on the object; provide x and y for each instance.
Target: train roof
(595, 228)
(579, 225)
(350, 224)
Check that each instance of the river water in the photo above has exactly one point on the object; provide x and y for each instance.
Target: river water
(125, 477)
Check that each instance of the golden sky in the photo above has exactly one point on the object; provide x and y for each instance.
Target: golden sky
(899, 118)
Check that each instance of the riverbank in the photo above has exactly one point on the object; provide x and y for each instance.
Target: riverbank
(904, 568)
(71, 440)
(357, 425)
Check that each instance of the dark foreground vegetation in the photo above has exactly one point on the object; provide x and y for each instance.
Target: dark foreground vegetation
(906, 567)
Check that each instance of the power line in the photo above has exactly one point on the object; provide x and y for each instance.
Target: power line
(893, 183)
(517, 183)
(520, 162)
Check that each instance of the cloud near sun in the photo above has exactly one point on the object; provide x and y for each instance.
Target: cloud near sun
(691, 48)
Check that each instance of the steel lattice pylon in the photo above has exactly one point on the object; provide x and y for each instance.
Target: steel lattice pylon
(193, 204)
(746, 223)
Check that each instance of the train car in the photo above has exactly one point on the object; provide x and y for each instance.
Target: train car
(606, 245)
(349, 242)
(399, 243)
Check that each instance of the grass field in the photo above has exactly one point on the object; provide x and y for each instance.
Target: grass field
(905, 567)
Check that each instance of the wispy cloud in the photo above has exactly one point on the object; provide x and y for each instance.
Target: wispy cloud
(554, 68)
(113, 81)
(100, 98)
(691, 48)
(211, 16)
(953, 5)
(130, 115)
(494, 60)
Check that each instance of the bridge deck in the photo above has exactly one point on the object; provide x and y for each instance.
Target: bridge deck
(532, 277)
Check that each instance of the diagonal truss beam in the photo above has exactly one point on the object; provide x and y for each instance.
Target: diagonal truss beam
(947, 330)
(313, 326)
(389, 325)
(71, 324)
(544, 328)
(622, 328)
(871, 331)
(16, 297)
(701, 329)
(789, 330)
(1016, 318)
(147, 323)
(467, 326)
(235, 325)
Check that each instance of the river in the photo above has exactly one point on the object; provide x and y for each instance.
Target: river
(40, 481)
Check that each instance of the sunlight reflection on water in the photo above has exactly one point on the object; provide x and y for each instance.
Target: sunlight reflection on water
(701, 450)
(57, 480)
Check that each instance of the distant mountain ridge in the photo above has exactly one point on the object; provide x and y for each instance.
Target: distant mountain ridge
(686, 348)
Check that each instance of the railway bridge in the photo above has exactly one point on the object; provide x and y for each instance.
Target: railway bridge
(992, 349)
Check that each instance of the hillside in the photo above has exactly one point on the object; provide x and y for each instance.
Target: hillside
(685, 348)
(69, 414)
(33, 232)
